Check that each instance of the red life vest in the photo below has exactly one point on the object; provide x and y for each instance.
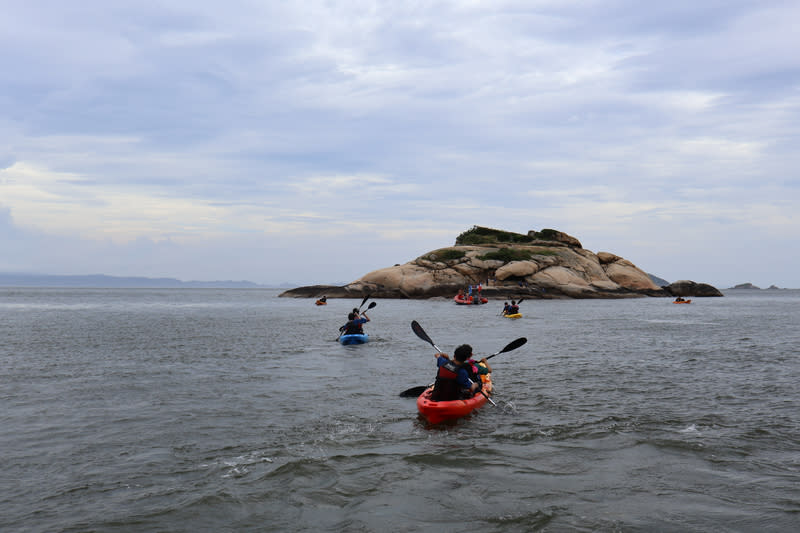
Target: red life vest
(446, 387)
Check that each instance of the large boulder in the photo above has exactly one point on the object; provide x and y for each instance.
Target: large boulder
(690, 288)
(626, 274)
(555, 235)
(519, 269)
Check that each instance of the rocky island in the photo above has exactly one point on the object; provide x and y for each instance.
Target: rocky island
(540, 264)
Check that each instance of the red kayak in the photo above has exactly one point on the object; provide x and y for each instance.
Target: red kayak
(469, 300)
(435, 412)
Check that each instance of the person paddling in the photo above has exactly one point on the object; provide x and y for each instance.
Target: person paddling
(355, 324)
(453, 377)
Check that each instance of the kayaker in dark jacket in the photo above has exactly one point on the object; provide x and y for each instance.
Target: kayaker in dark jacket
(453, 380)
(355, 324)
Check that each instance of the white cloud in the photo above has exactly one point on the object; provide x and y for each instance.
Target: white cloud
(203, 134)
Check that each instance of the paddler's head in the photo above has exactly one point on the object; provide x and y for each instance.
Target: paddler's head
(462, 353)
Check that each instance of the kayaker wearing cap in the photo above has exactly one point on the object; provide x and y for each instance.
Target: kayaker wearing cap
(453, 379)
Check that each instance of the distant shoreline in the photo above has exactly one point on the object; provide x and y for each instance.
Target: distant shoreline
(101, 281)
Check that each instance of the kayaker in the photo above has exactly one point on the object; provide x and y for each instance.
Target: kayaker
(479, 369)
(355, 324)
(453, 376)
(513, 309)
(506, 308)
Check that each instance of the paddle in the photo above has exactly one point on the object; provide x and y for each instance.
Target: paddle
(416, 391)
(513, 345)
(370, 306)
(422, 335)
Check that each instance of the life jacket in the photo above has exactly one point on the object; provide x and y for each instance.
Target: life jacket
(514, 310)
(446, 387)
(472, 371)
(351, 328)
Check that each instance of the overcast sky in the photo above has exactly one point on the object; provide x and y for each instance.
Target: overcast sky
(312, 142)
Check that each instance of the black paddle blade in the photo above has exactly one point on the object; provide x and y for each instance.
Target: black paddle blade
(413, 392)
(513, 345)
(420, 332)
(363, 302)
(371, 305)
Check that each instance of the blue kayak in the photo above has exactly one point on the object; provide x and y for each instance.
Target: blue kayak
(355, 338)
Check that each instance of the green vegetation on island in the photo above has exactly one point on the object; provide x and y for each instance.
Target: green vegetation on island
(483, 235)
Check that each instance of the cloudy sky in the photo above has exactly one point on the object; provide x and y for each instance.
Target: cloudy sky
(312, 142)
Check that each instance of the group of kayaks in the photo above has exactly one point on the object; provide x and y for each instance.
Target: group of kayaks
(435, 412)
(468, 299)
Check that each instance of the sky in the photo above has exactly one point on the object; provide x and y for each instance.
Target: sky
(313, 142)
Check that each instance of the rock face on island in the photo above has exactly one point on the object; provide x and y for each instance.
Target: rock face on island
(746, 286)
(754, 287)
(690, 288)
(541, 264)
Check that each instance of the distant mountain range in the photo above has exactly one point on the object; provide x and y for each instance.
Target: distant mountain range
(103, 281)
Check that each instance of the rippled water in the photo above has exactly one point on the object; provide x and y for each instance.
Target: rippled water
(235, 410)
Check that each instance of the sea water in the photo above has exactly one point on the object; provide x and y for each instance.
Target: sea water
(236, 410)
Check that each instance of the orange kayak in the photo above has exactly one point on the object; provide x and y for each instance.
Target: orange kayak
(435, 412)
(683, 302)
(320, 302)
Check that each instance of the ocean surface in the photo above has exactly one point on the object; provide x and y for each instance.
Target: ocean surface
(189, 410)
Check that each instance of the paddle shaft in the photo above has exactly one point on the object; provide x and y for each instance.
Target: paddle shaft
(487, 397)
(513, 345)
